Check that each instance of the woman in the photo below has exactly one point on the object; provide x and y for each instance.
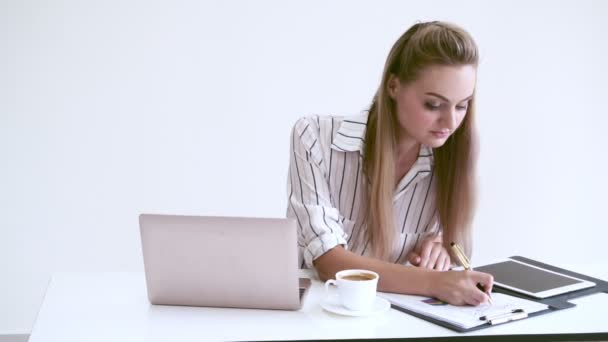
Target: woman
(395, 185)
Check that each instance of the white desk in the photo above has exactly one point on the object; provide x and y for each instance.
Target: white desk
(114, 307)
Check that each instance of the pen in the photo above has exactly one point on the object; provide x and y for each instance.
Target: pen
(506, 319)
(487, 318)
(464, 261)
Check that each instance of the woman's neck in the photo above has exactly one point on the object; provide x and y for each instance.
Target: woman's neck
(406, 155)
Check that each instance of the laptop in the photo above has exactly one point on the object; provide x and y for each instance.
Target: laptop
(232, 262)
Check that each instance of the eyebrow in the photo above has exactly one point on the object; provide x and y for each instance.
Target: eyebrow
(446, 99)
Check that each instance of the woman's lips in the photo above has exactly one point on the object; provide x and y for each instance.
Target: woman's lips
(441, 133)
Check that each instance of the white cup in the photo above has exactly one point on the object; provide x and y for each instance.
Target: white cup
(356, 288)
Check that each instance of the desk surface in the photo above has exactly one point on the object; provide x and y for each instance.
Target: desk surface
(114, 307)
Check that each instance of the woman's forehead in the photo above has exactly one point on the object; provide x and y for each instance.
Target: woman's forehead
(455, 83)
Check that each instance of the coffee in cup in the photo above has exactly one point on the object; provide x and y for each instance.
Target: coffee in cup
(356, 288)
(359, 277)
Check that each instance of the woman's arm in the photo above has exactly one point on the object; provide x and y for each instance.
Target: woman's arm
(454, 287)
(391, 275)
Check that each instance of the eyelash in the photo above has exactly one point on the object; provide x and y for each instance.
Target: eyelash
(432, 107)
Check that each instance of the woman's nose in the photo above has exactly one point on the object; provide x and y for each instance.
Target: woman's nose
(449, 118)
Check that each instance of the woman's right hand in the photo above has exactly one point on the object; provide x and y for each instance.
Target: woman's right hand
(460, 287)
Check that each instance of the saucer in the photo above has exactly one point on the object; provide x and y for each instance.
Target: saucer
(332, 304)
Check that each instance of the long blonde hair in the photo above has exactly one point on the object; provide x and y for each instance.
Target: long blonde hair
(421, 46)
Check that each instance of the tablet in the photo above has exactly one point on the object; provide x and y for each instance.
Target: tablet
(532, 280)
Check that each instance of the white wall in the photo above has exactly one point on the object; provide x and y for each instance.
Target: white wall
(113, 108)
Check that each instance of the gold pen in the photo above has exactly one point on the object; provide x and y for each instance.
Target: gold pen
(466, 263)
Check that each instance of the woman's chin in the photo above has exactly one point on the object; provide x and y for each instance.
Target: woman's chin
(435, 143)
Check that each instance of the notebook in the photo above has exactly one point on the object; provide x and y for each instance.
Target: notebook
(213, 261)
(467, 317)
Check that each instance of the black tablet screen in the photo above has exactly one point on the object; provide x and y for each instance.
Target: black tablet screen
(524, 277)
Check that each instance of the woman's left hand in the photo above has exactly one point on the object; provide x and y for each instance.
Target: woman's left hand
(431, 254)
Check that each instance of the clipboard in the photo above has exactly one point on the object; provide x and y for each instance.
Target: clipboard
(555, 303)
(506, 308)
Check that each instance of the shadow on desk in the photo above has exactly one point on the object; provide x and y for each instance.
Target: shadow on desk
(14, 338)
(502, 338)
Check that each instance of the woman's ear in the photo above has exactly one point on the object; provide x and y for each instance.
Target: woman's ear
(392, 86)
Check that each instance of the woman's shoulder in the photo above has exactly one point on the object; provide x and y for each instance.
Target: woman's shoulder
(316, 121)
(316, 132)
(327, 122)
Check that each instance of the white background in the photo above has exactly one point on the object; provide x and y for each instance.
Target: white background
(113, 108)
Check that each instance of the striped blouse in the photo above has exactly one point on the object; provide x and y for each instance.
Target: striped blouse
(326, 192)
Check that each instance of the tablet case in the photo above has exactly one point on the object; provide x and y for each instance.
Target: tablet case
(555, 303)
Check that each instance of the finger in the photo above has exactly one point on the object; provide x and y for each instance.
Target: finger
(481, 297)
(486, 298)
(458, 302)
(489, 283)
(440, 263)
(434, 256)
(487, 280)
(477, 297)
(471, 300)
(425, 252)
(414, 258)
(448, 262)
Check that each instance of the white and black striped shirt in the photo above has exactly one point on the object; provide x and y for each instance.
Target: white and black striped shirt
(326, 197)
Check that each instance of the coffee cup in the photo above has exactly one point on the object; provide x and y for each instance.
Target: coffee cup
(356, 288)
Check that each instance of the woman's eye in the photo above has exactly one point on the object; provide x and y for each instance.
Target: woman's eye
(432, 106)
(461, 107)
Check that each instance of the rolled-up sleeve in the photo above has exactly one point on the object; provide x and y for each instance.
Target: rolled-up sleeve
(320, 225)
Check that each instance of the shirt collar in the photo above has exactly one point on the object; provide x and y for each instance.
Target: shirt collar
(351, 134)
(351, 138)
(425, 158)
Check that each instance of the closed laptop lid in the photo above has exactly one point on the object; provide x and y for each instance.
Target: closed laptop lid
(220, 261)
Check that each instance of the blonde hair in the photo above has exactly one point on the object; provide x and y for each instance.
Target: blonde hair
(421, 46)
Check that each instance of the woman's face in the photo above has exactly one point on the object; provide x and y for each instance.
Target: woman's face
(430, 108)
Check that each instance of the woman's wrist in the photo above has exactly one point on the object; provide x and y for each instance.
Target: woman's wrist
(430, 281)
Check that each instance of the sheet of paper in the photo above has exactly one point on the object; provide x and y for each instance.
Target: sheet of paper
(462, 316)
